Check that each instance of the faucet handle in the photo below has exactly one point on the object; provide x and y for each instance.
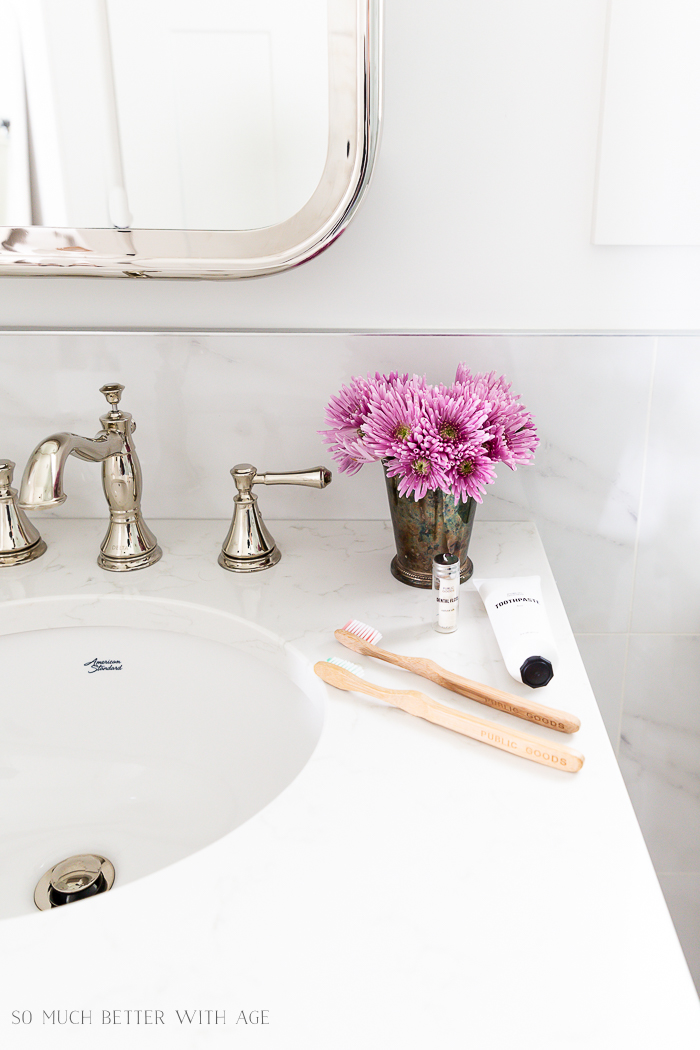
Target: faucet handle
(19, 540)
(249, 546)
(246, 475)
(313, 477)
(113, 393)
(7, 468)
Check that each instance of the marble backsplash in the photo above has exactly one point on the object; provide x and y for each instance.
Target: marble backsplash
(613, 491)
(205, 402)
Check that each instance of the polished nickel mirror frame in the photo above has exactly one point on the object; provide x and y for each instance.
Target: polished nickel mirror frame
(354, 60)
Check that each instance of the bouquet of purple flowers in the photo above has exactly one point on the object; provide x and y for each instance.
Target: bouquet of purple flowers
(431, 437)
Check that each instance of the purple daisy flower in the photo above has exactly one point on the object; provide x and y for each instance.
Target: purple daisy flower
(512, 434)
(347, 408)
(431, 437)
(391, 424)
(514, 442)
(452, 422)
(348, 449)
(493, 391)
(418, 472)
(347, 413)
(469, 475)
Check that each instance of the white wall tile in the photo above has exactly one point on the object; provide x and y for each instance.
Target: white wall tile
(659, 747)
(667, 586)
(682, 893)
(605, 657)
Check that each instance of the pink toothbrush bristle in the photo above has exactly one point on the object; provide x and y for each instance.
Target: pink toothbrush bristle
(363, 631)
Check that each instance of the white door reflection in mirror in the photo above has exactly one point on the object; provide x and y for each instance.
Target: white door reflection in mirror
(235, 133)
(184, 114)
(15, 204)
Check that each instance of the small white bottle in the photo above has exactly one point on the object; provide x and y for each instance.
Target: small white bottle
(446, 582)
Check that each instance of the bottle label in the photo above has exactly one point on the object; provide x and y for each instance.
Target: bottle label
(447, 599)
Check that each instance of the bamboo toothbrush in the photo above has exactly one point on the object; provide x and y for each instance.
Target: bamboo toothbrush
(339, 673)
(363, 639)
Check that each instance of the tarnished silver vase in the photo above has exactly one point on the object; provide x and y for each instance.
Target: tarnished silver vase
(435, 524)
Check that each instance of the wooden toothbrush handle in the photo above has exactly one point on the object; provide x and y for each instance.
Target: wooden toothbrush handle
(415, 703)
(486, 694)
(483, 694)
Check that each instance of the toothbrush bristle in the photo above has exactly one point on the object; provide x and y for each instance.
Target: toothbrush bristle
(363, 631)
(348, 665)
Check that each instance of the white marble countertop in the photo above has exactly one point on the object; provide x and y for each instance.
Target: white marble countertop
(411, 887)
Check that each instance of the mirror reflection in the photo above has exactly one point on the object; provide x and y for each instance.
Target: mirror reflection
(161, 114)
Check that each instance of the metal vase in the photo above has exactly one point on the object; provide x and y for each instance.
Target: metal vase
(435, 524)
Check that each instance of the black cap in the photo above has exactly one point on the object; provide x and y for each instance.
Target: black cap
(445, 559)
(536, 671)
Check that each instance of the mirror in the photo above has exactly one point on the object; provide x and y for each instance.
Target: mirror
(214, 138)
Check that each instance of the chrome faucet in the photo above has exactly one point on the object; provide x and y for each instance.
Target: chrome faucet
(19, 540)
(129, 543)
(249, 546)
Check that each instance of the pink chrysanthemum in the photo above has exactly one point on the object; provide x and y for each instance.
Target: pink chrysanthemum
(512, 434)
(347, 412)
(348, 406)
(513, 442)
(418, 472)
(430, 437)
(452, 423)
(348, 449)
(393, 416)
(470, 475)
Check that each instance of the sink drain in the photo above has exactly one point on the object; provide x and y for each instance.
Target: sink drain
(73, 879)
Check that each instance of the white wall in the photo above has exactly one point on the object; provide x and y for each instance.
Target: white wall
(480, 214)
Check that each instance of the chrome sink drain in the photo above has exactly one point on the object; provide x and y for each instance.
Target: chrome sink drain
(73, 879)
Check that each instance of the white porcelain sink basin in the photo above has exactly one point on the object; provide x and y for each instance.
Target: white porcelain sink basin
(139, 729)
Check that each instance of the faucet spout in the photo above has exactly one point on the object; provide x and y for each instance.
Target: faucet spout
(129, 543)
(42, 482)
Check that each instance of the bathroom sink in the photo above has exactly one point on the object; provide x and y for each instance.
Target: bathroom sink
(139, 729)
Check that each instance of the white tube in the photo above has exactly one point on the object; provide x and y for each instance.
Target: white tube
(522, 630)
